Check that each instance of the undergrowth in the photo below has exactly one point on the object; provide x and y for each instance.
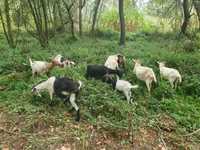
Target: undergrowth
(99, 103)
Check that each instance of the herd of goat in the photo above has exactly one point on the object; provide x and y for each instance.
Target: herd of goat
(111, 72)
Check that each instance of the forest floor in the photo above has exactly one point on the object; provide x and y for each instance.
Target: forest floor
(166, 119)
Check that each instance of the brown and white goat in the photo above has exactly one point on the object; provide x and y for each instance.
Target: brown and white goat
(145, 74)
(41, 67)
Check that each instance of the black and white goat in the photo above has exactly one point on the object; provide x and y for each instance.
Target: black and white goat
(121, 85)
(61, 87)
(99, 71)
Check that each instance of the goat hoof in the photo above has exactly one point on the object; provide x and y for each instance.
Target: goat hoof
(77, 119)
(52, 103)
(78, 116)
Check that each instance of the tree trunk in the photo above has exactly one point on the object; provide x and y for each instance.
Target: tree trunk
(46, 33)
(80, 17)
(9, 30)
(40, 15)
(186, 13)
(122, 22)
(60, 14)
(69, 9)
(197, 8)
(6, 24)
(96, 8)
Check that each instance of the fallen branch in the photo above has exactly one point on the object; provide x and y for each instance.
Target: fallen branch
(196, 131)
(8, 132)
(161, 136)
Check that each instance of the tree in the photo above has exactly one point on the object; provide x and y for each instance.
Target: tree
(94, 18)
(197, 8)
(122, 22)
(6, 24)
(69, 8)
(40, 16)
(186, 14)
(81, 5)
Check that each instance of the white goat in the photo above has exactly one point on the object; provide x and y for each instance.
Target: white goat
(170, 74)
(125, 87)
(145, 74)
(114, 61)
(121, 85)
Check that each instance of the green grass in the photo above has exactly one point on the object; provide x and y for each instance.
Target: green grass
(97, 100)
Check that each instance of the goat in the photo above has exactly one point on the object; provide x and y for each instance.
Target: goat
(121, 85)
(98, 71)
(63, 62)
(145, 74)
(170, 74)
(63, 88)
(67, 63)
(59, 58)
(41, 67)
(115, 62)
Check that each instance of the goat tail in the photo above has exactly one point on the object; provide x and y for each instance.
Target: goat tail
(134, 86)
(80, 84)
(180, 79)
(31, 62)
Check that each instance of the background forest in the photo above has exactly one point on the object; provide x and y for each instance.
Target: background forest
(87, 32)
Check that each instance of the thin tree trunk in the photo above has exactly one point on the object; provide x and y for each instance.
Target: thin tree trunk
(4, 26)
(69, 8)
(95, 15)
(36, 20)
(122, 22)
(46, 34)
(197, 8)
(80, 17)
(186, 13)
(60, 15)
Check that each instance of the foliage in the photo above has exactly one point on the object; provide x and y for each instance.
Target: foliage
(103, 102)
(133, 19)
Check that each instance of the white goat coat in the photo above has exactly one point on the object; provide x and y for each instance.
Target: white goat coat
(170, 74)
(125, 87)
(111, 62)
(144, 73)
(47, 85)
(39, 66)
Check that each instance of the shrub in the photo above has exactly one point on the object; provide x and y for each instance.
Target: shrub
(163, 90)
(191, 85)
(134, 20)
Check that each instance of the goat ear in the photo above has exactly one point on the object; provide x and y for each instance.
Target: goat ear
(133, 60)
(157, 62)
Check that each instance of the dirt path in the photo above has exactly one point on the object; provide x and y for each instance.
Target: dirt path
(18, 132)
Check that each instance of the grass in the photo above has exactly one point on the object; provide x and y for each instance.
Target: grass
(103, 110)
